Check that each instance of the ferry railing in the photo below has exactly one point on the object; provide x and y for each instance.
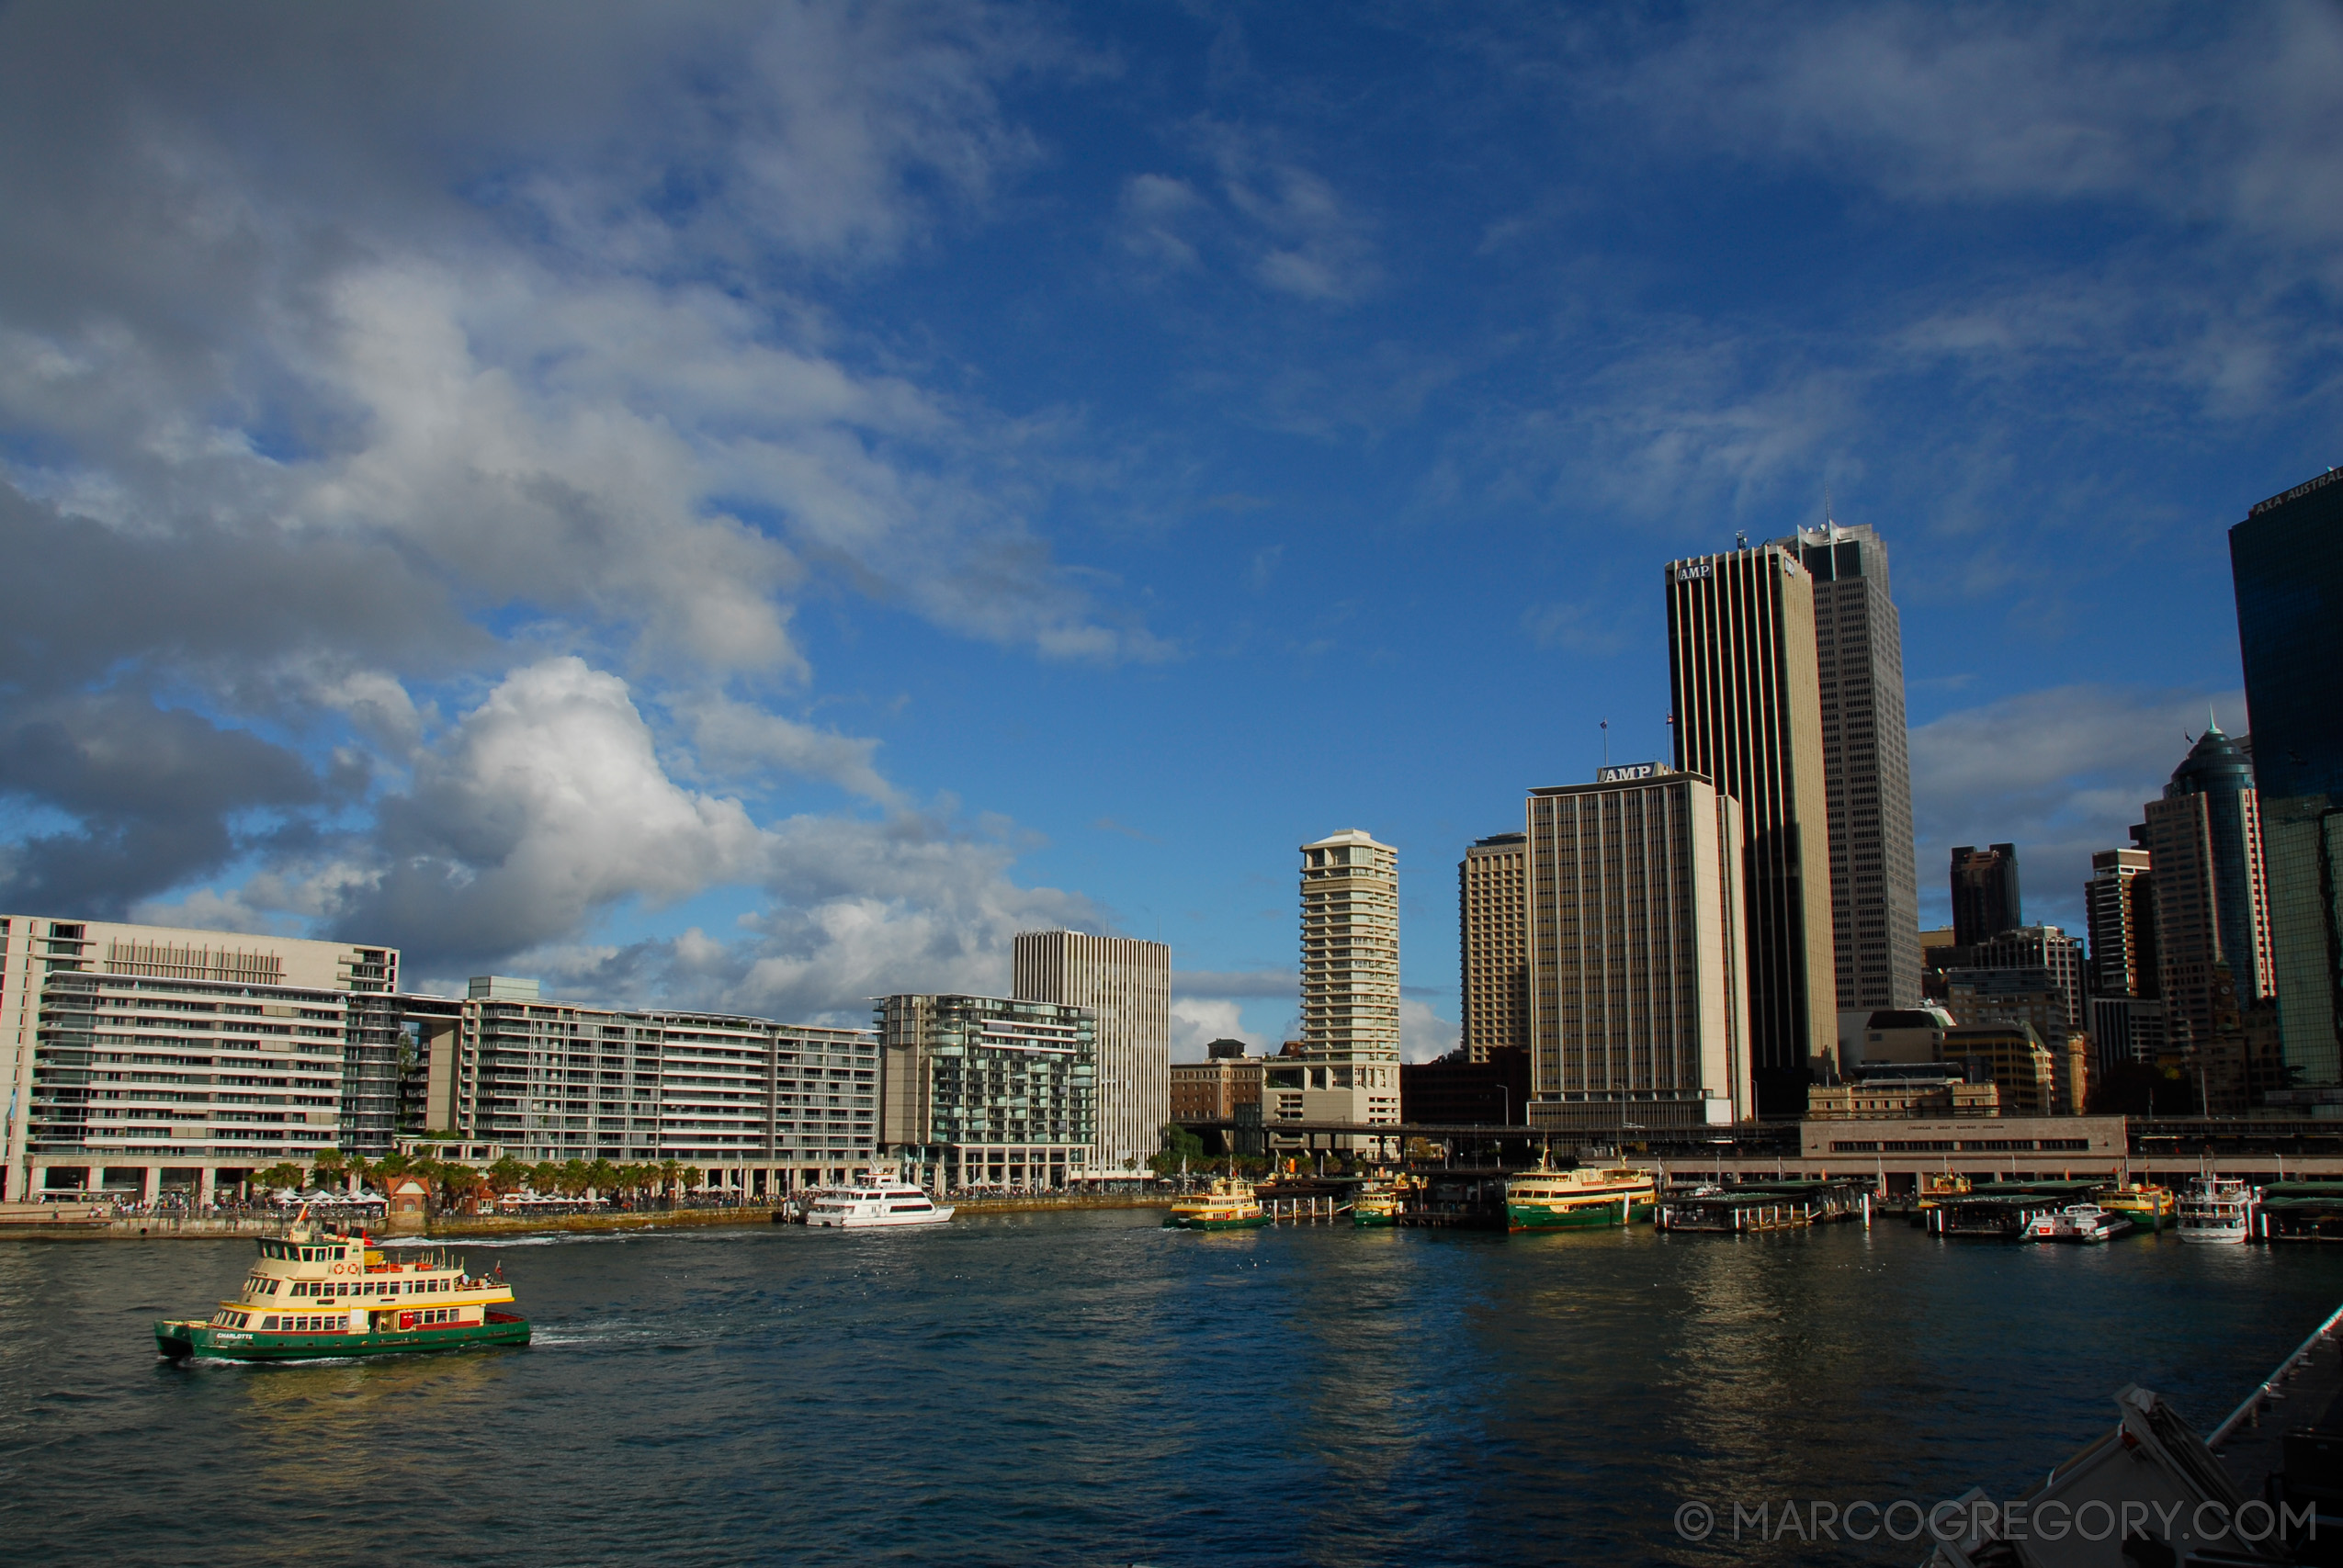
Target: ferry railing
(2250, 1413)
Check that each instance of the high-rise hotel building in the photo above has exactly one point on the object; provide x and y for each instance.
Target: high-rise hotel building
(1743, 670)
(1126, 984)
(1866, 768)
(2286, 559)
(144, 1057)
(1493, 912)
(1638, 980)
(1347, 1069)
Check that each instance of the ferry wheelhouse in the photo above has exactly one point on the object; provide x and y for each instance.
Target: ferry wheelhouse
(1229, 1204)
(317, 1292)
(1578, 1200)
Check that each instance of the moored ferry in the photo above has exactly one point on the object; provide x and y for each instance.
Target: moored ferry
(317, 1292)
(2217, 1208)
(1229, 1204)
(1378, 1203)
(2148, 1207)
(1578, 1200)
(2075, 1222)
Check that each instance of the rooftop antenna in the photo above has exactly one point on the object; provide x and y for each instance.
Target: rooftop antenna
(1604, 724)
(1741, 539)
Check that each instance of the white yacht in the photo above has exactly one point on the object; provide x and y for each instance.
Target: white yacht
(2077, 1222)
(876, 1200)
(2217, 1208)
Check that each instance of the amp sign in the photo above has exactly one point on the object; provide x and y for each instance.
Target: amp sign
(1625, 772)
(1692, 570)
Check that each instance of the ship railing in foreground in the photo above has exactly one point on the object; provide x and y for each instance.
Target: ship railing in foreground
(2152, 1492)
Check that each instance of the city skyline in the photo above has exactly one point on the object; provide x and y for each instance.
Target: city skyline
(751, 510)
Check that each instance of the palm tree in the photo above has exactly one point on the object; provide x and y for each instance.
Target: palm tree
(602, 1176)
(573, 1178)
(669, 1173)
(328, 1167)
(693, 1178)
(545, 1178)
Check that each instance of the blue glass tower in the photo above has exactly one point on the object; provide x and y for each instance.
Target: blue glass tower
(2287, 561)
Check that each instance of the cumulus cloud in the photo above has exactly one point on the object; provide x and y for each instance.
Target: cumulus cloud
(1424, 1035)
(2060, 773)
(1196, 1025)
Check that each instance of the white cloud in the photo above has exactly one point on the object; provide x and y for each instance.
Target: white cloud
(1196, 1025)
(1424, 1035)
(2060, 773)
(729, 736)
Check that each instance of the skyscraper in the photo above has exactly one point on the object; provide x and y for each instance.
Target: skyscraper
(2119, 903)
(1492, 911)
(1348, 1068)
(1742, 670)
(2286, 558)
(2205, 844)
(1985, 893)
(1128, 984)
(1866, 768)
(1638, 983)
(2126, 1011)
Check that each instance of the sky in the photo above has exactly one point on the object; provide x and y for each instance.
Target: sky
(750, 506)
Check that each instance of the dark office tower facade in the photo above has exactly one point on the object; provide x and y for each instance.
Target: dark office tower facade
(1742, 670)
(1866, 768)
(2287, 561)
(2120, 903)
(1985, 893)
(2212, 918)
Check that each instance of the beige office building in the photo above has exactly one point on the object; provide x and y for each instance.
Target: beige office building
(1638, 987)
(1743, 668)
(1493, 913)
(1126, 984)
(146, 1057)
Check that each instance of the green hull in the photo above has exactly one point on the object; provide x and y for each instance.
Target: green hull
(1373, 1222)
(1181, 1222)
(1591, 1216)
(204, 1341)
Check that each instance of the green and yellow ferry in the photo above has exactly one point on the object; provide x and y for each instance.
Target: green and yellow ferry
(1228, 1205)
(1579, 1200)
(317, 1292)
(1377, 1204)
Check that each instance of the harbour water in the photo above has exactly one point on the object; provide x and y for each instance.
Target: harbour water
(1088, 1389)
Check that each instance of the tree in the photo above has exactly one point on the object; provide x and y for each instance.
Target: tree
(329, 1166)
(284, 1173)
(603, 1178)
(693, 1178)
(545, 1178)
(507, 1176)
(572, 1180)
(669, 1172)
(1180, 1149)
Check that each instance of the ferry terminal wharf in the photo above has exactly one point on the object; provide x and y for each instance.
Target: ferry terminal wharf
(1894, 1155)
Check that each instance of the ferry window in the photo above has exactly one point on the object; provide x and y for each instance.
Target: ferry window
(268, 1322)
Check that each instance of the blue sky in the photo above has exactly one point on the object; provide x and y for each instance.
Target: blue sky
(752, 506)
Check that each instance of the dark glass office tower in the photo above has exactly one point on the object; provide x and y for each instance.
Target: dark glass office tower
(2287, 561)
(1866, 768)
(1985, 893)
(1741, 665)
